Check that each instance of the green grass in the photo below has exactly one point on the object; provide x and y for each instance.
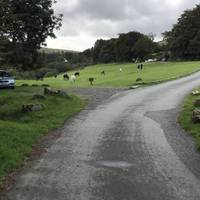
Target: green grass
(152, 72)
(185, 118)
(19, 132)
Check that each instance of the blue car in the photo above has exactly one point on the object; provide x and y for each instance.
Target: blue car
(6, 80)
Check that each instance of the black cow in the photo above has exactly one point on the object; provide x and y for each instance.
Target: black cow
(103, 73)
(66, 77)
(39, 76)
(77, 73)
(91, 80)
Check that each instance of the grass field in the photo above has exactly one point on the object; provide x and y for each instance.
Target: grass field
(185, 118)
(152, 72)
(20, 131)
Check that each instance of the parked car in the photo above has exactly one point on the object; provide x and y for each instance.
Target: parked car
(6, 80)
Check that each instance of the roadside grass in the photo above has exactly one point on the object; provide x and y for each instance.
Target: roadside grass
(19, 132)
(185, 118)
(153, 72)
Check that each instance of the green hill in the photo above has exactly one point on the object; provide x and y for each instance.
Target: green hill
(152, 72)
(51, 50)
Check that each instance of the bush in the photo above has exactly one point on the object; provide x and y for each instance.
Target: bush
(51, 73)
(24, 85)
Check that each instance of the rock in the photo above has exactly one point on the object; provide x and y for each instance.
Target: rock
(39, 96)
(134, 87)
(24, 85)
(49, 91)
(62, 93)
(32, 107)
(196, 116)
(196, 92)
(197, 102)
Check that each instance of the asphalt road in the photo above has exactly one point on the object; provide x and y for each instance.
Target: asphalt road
(128, 148)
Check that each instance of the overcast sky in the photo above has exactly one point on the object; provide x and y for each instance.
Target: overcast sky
(85, 21)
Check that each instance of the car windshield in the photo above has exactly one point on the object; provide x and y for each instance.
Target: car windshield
(4, 74)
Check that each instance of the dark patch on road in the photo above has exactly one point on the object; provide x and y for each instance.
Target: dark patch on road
(182, 143)
(126, 170)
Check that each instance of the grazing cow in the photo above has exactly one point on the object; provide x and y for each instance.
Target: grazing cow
(66, 77)
(103, 73)
(77, 74)
(39, 77)
(72, 78)
(91, 80)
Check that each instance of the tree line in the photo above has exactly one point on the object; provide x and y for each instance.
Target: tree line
(126, 48)
(24, 27)
(183, 41)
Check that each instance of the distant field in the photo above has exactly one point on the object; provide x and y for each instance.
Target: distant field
(50, 50)
(114, 78)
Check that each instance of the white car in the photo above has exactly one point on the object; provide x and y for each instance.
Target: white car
(6, 80)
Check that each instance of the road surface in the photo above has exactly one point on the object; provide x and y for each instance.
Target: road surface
(128, 148)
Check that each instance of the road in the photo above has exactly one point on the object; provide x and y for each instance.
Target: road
(128, 148)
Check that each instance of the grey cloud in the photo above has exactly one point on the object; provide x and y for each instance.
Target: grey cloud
(107, 18)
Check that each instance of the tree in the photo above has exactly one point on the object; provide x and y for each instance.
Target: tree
(125, 44)
(184, 38)
(143, 47)
(97, 49)
(107, 52)
(124, 48)
(26, 25)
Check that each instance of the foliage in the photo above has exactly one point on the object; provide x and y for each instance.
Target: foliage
(143, 47)
(26, 25)
(184, 38)
(125, 48)
(125, 45)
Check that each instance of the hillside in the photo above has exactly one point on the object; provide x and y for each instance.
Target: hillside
(51, 50)
(152, 72)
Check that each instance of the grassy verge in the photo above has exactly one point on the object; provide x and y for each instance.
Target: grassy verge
(185, 118)
(19, 132)
(152, 73)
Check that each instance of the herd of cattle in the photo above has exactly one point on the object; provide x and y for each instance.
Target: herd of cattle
(73, 77)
